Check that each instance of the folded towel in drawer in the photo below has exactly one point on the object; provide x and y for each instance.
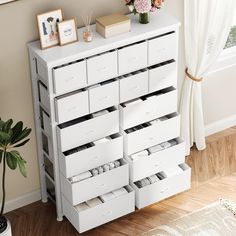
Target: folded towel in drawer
(119, 192)
(82, 206)
(107, 196)
(100, 113)
(165, 145)
(155, 148)
(81, 177)
(137, 155)
(153, 179)
(93, 202)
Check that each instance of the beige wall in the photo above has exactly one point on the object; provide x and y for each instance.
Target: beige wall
(18, 26)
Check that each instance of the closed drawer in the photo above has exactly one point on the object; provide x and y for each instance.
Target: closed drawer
(162, 48)
(102, 67)
(163, 76)
(132, 57)
(69, 77)
(100, 214)
(93, 156)
(72, 106)
(164, 188)
(133, 85)
(44, 97)
(86, 129)
(95, 186)
(149, 108)
(151, 134)
(104, 95)
(158, 161)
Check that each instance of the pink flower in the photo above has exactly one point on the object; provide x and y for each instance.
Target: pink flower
(158, 3)
(142, 6)
(153, 9)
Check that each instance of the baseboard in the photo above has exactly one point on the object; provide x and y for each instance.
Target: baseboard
(22, 201)
(220, 125)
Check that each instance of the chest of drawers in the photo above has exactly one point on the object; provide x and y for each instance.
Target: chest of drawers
(107, 122)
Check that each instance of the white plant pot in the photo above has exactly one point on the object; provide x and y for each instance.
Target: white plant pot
(7, 232)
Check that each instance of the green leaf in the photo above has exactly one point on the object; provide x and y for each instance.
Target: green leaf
(4, 137)
(23, 143)
(7, 125)
(17, 130)
(1, 124)
(20, 161)
(22, 135)
(11, 161)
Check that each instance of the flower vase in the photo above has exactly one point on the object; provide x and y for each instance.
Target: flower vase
(144, 18)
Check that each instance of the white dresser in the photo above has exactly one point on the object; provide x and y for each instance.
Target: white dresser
(122, 89)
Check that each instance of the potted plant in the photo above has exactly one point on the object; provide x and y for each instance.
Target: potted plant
(10, 139)
(143, 7)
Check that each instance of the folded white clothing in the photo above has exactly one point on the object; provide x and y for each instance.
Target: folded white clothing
(111, 165)
(165, 145)
(93, 202)
(100, 170)
(107, 197)
(82, 206)
(81, 177)
(119, 192)
(102, 140)
(132, 102)
(100, 113)
(155, 148)
(117, 164)
(173, 171)
(94, 172)
(153, 179)
(141, 154)
(106, 167)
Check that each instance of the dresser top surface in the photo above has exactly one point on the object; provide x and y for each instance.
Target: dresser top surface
(160, 22)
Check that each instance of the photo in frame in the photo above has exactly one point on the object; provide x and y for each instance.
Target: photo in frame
(47, 25)
(67, 31)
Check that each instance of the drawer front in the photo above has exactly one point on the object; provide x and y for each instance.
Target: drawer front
(162, 49)
(88, 131)
(95, 186)
(70, 77)
(152, 135)
(133, 86)
(92, 157)
(162, 189)
(102, 67)
(100, 214)
(162, 77)
(71, 107)
(157, 162)
(104, 96)
(132, 58)
(149, 109)
(44, 97)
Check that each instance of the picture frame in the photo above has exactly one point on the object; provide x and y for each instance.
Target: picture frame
(47, 26)
(67, 31)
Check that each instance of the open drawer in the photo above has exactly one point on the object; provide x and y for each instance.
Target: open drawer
(164, 188)
(157, 161)
(91, 155)
(148, 108)
(88, 129)
(100, 214)
(151, 133)
(96, 185)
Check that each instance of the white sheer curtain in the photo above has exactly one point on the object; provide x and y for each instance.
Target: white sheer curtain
(207, 25)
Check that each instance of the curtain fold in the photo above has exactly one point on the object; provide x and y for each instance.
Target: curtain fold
(207, 25)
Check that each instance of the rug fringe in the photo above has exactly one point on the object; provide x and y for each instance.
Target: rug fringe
(230, 205)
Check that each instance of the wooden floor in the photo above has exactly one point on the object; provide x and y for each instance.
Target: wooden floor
(213, 176)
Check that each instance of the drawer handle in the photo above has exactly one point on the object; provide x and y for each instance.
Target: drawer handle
(104, 98)
(108, 213)
(132, 59)
(134, 87)
(102, 185)
(164, 190)
(102, 69)
(72, 108)
(70, 78)
(95, 158)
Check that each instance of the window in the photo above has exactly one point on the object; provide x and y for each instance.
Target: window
(231, 41)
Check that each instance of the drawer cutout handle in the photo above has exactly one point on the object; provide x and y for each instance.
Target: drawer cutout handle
(108, 213)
